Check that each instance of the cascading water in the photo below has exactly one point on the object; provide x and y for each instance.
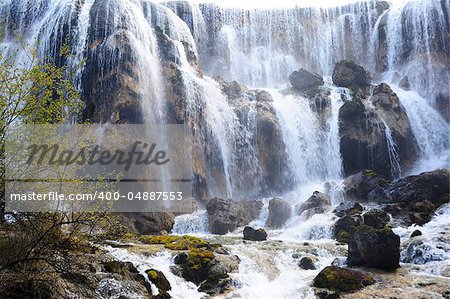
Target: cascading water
(260, 48)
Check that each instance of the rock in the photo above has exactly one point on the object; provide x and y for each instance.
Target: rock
(159, 280)
(227, 215)
(389, 108)
(307, 263)
(254, 234)
(362, 144)
(358, 186)
(279, 212)
(208, 270)
(318, 203)
(416, 233)
(344, 226)
(362, 128)
(404, 83)
(152, 223)
(304, 80)
(414, 199)
(375, 248)
(376, 218)
(342, 279)
(344, 209)
(348, 74)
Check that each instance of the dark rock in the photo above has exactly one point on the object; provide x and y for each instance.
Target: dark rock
(318, 203)
(375, 248)
(159, 280)
(344, 226)
(389, 108)
(181, 258)
(119, 267)
(307, 263)
(414, 199)
(227, 215)
(376, 218)
(151, 223)
(416, 233)
(208, 270)
(342, 279)
(254, 234)
(356, 187)
(304, 80)
(348, 74)
(345, 209)
(404, 83)
(279, 212)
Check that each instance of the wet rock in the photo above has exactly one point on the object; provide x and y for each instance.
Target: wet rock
(362, 143)
(345, 226)
(254, 234)
(345, 209)
(414, 199)
(404, 83)
(227, 215)
(389, 108)
(358, 186)
(416, 233)
(375, 248)
(304, 80)
(318, 203)
(208, 270)
(279, 212)
(342, 279)
(376, 218)
(159, 280)
(307, 263)
(348, 74)
(152, 223)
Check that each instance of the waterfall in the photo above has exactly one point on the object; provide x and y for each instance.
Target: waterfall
(258, 47)
(394, 159)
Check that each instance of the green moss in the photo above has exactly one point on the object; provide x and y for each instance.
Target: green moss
(152, 274)
(342, 279)
(175, 242)
(343, 236)
(199, 258)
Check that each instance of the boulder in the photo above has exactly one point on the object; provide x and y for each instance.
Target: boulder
(345, 209)
(207, 269)
(254, 234)
(345, 226)
(389, 108)
(404, 83)
(342, 279)
(307, 263)
(227, 215)
(414, 199)
(362, 143)
(363, 140)
(376, 218)
(159, 280)
(318, 203)
(358, 186)
(348, 74)
(151, 223)
(416, 233)
(375, 248)
(279, 212)
(304, 80)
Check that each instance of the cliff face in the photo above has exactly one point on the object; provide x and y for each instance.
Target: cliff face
(142, 62)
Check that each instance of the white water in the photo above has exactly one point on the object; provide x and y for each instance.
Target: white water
(394, 159)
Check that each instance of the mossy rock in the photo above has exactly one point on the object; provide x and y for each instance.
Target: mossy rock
(342, 279)
(342, 236)
(195, 265)
(177, 242)
(159, 280)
